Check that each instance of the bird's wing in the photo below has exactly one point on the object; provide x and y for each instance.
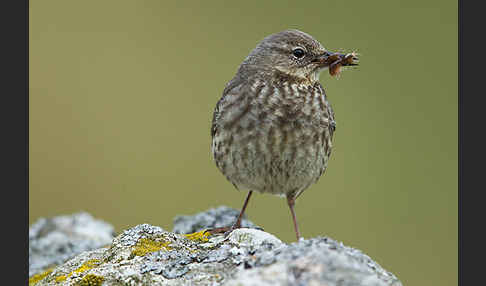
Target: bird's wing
(232, 90)
(214, 125)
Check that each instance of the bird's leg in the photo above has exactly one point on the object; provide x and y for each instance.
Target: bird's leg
(237, 224)
(291, 203)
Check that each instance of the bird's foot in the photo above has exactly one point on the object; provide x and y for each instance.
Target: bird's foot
(226, 230)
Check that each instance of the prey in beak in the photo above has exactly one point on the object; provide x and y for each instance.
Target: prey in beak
(334, 61)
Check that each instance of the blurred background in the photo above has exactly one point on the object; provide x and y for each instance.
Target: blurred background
(121, 101)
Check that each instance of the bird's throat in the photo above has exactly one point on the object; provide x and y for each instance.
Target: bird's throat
(283, 76)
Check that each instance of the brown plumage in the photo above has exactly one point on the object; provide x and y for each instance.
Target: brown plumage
(273, 127)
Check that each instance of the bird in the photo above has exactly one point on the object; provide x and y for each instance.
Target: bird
(272, 129)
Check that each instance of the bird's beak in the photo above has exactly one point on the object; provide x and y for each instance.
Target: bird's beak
(329, 58)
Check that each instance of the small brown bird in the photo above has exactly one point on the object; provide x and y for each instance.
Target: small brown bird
(272, 129)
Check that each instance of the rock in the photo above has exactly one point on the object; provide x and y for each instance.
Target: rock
(54, 240)
(317, 261)
(149, 255)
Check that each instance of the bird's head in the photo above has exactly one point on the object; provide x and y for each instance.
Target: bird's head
(295, 54)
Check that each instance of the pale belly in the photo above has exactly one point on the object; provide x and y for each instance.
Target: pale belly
(280, 162)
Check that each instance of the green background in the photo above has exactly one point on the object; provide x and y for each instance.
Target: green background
(121, 102)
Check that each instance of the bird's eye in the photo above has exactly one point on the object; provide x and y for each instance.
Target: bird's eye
(298, 53)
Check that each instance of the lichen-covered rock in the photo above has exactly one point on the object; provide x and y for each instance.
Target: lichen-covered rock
(52, 241)
(149, 255)
(317, 261)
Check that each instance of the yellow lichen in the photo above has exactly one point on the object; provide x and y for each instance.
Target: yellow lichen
(201, 236)
(146, 245)
(92, 263)
(61, 278)
(91, 280)
(38, 277)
